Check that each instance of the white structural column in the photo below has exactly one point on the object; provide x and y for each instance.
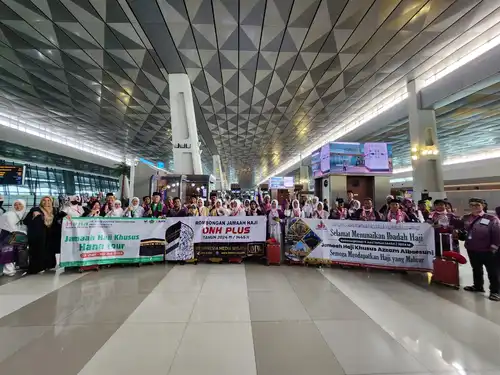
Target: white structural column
(132, 178)
(304, 176)
(187, 159)
(217, 168)
(426, 158)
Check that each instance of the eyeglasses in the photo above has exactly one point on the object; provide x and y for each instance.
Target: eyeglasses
(475, 204)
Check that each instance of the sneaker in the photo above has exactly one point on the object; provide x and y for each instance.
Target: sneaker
(494, 297)
(474, 289)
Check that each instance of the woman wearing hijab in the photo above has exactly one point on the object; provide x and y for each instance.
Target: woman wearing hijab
(308, 209)
(319, 213)
(135, 209)
(44, 235)
(192, 210)
(339, 212)
(414, 215)
(74, 209)
(315, 202)
(265, 205)
(443, 221)
(202, 209)
(117, 210)
(246, 205)
(254, 209)
(236, 208)
(13, 231)
(296, 212)
(396, 214)
(274, 217)
(95, 209)
(220, 210)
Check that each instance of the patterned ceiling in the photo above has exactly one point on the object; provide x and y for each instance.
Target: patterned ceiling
(471, 123)
(269, 77)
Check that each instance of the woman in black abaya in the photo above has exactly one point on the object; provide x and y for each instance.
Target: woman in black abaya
(44, 235)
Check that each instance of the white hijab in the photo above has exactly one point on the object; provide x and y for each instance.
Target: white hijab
(238, 210)
(308, 208)
(11, 221)
(273, 212)
(319, 214)
(116, 211)
(136, 209)
(296, 211)
(74, 210)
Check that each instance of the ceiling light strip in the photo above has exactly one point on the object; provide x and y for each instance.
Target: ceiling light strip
(44, 133)
(493, 154)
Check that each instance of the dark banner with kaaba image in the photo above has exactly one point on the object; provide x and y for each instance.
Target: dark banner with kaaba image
(204, 251)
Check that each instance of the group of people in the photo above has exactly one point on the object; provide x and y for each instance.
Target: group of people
(39, 229)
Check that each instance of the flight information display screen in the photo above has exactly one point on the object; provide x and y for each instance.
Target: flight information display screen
(12, 174)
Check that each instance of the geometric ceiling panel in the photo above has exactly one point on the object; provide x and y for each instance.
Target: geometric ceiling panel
(269, 77)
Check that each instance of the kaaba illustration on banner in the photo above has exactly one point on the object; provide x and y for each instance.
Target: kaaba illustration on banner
(179, 242)
(151, 247)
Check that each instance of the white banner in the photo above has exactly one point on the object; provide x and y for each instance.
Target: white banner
(89, 241)
(408, 246)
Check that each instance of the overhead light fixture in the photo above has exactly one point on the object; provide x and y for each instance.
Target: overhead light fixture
(494, 154)
(44, 132)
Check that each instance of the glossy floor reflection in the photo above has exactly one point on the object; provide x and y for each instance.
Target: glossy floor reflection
(244, 319)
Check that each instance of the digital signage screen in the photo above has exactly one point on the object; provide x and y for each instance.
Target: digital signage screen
(316, 164)
(281, 182)
(352, 158)
(360, 158)
(12, 174)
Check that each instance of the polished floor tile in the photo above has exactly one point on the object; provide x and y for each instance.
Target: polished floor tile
(251, 319)
(276, 306)
(292, 348)
(429, 327)
(362, 347)
(11, 302)
(35, 284)
(137, 349)
(13, 339)
(45, 311)
(112, 310)
(221, 308)
(268, 282)
(165, 308)
(60, 350)
(330, 306)
(215, 349)
(225, 284)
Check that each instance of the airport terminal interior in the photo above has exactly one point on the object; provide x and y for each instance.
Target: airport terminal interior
(251, 187)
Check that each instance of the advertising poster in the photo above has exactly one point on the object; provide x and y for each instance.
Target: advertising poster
(90, 241)
(408, 246)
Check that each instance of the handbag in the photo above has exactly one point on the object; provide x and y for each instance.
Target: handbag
(463, 234)
(17, 238)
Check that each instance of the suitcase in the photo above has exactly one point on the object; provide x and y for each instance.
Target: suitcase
(446, 269)
(273, 254)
